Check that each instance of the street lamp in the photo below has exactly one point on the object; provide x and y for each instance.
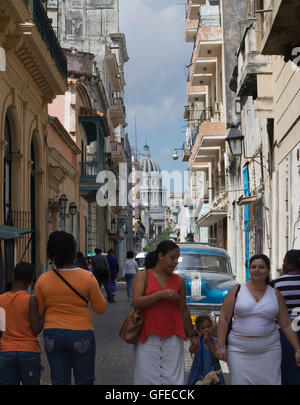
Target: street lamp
(235, 142)
(237, 146)
(63, 201)
(72, 208)
(175, 154)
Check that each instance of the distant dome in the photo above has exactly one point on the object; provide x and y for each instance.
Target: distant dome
(148, 164)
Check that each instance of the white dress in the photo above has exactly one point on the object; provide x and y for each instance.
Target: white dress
(254, 349)
(165, 355)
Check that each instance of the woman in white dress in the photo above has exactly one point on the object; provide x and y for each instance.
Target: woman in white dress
(253, 352)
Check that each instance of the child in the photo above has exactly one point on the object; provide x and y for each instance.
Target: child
(205, 360)
(19, 347)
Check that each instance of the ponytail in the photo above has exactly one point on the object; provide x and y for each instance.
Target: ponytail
(163, 247)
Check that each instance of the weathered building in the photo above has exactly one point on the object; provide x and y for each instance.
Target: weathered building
(92, 27)
(206, 125)
(33, 71)
(281, 41)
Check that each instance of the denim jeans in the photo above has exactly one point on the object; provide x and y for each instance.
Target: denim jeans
(129, 279)
(69, 350)
(20, 367)
(290, 373)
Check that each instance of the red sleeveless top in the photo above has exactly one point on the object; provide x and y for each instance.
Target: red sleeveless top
(163, 317)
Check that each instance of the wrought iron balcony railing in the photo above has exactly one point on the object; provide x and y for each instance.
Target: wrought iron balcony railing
(38, 16)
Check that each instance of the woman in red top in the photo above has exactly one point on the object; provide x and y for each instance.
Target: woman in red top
(159, 355)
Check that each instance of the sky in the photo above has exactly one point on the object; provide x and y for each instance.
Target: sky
(156, 78)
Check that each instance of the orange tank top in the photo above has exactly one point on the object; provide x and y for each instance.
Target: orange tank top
(163, 317)
(18, 336)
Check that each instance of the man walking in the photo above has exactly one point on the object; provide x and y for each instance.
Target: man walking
(114, 269)
(102, 273)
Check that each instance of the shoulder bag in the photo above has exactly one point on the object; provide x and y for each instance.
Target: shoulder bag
(70, 286)
(131, 327)
(230, 322)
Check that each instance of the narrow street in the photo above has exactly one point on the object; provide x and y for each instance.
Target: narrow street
(114, 357)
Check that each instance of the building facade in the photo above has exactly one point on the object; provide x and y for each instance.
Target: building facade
(33, 71)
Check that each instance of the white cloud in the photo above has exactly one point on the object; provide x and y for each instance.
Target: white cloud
(155, 75)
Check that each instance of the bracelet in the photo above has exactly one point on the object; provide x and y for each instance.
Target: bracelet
(219, 346)
(297, 350)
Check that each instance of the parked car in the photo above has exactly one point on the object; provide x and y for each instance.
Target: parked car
(140, 258)
(208, 277)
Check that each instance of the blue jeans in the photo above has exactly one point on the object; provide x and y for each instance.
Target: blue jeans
(20, 367)
(69, 350)
(290, 373)
(129, 279)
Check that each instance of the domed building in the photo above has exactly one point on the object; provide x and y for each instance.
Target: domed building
(153, 196)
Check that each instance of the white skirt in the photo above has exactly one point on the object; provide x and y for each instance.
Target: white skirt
(254, 360)
(159, 361)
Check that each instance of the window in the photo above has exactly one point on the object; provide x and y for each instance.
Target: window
(204, 262)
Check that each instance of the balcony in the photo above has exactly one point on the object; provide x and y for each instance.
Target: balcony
(209, 142)
(113, 72)
(281, 28)
(191, 28)
(117, 111)
(39, 17)
(117, 154)
(88, 175)
(196, 93)
(250, 64)
(33, 41)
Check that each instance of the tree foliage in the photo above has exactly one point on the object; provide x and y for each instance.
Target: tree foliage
(164, 235)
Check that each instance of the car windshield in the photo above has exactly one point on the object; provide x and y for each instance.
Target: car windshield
(140, 261)
(204, 262)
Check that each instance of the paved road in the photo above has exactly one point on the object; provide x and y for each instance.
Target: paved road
(114, 357)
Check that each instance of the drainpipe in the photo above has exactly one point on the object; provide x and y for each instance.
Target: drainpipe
(287, 203)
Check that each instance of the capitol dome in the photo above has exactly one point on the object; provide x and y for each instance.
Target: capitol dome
(147, 164)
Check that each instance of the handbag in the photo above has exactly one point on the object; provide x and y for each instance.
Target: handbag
(230, 322)
(131, 327)
(69, 285)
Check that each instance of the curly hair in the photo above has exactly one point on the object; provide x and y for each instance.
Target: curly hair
(24, 271)
(61, 248)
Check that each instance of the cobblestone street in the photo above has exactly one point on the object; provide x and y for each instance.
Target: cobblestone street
(114, 357)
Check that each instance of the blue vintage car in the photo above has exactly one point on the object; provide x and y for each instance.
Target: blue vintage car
(208, 277)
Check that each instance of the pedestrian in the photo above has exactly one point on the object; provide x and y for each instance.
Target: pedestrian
(161, 295)
(20, 360)
(114, 269)
(102, 273)
(289, 286)
(205, 360)
(254, 351)
(130, 269)
(68, 331)
(81, 261)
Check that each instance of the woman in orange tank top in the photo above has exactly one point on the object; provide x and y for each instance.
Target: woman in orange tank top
(160, 294)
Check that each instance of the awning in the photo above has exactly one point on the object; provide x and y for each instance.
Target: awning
(247, 200)
(12, 232)
(211, 218)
